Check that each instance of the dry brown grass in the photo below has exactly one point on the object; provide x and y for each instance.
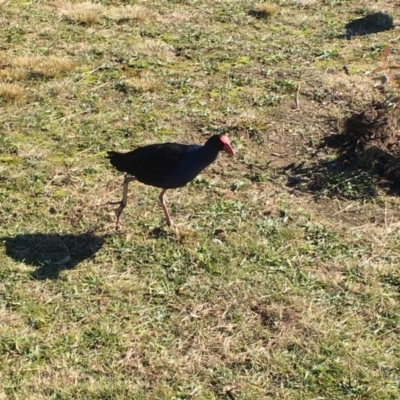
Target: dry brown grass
(128, 13)
(340, 85)
(86, 13)
(89, 13)
(153, 50)
(144, 83)
(33, 66)
(265, 10)
(10, 92)
(306, 3)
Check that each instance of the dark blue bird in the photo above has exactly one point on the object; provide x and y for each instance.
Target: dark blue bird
(166, 165)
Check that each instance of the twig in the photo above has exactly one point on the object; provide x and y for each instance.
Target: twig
(386, 225)
(193, 392)
(73, 115)
(297, 96)
(92, 72)
(278, 154)
(343, 209)
(99, 86)
(389, 331)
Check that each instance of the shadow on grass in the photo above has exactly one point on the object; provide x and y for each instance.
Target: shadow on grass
(52, 253)
(158, 233)
(336, 178)
(371, 23)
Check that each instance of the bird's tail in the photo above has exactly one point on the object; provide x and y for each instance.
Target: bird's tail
(117, 159)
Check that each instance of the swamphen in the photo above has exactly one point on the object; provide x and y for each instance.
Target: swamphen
(167, 166)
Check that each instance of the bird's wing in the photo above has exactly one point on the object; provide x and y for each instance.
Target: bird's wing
(150, 164)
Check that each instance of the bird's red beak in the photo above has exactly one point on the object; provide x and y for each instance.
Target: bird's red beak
(227, 145)
(229, 150)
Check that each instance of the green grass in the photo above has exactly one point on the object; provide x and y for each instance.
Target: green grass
(261, 292)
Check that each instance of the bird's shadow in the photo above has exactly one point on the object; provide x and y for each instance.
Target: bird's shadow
(52, 253)
(371, 23)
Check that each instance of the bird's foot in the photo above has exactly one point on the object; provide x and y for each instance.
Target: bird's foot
(118, 211)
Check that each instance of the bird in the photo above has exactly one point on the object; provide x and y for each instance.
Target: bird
(166, 166)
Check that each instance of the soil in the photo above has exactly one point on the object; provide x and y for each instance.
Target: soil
(371, 139)
(362, 149)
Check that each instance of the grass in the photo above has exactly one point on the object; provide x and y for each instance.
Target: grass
(262, 292)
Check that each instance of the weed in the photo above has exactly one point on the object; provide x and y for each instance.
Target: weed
(271, 100)
(350, 185)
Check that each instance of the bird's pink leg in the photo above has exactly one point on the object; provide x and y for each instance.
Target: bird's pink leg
(165, 209)
(123, 202)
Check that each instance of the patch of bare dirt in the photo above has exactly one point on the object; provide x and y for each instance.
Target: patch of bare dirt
(360, 155)
(371, 138)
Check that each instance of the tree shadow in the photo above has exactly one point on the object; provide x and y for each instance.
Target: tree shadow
(371, 23)
(52, 253)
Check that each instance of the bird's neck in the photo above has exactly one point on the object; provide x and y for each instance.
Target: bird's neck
(204, 154)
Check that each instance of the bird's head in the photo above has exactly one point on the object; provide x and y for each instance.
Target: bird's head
(222, 143)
